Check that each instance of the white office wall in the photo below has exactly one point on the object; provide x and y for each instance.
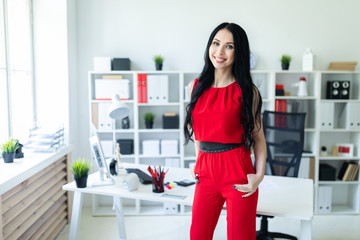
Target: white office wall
(179, 31)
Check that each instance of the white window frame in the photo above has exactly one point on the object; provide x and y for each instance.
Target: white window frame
(8, 67)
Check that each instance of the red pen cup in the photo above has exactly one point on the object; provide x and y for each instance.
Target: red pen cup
(158, 185)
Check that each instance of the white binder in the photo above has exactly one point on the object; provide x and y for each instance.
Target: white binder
(327, 115)
(352, 117)
(157, 88)
(324, 199)
(152, 89)
(104, 121)
(164, 88)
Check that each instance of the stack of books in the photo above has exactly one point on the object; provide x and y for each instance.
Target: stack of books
(342, 66)
(45, 139)
(348, 171)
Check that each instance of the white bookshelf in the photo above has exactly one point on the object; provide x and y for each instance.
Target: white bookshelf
(346, 195)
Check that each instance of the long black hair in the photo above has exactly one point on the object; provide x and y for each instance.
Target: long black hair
(241, 71)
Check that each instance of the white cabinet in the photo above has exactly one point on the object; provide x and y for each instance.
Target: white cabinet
(339, 113)
(344, 114)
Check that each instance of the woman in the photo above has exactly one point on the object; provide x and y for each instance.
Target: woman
(224, 115)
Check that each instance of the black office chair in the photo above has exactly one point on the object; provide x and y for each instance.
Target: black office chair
(284, 134)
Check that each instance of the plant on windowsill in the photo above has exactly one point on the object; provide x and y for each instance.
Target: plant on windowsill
(158, 59)
(9, 149)
(80, 169)
(149, 119)
(285, 62)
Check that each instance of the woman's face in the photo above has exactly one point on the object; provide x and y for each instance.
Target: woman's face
(221, 51)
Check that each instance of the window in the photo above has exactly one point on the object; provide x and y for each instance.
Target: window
(16, 70)
(3, 85)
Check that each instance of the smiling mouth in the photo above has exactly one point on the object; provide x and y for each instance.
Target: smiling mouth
(219, 60)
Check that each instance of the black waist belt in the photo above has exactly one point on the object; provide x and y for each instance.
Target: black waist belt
(214, 147)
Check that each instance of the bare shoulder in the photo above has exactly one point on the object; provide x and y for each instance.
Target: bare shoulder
(190, 87)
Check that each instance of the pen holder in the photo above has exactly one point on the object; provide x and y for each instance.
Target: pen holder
(158, 185)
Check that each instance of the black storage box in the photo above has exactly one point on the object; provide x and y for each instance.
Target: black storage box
(327, 172)
(170, 121)
(126, 146)
(120, 64)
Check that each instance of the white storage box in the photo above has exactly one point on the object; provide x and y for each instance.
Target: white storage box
(151, 147)
(169, 147)
(172, 162)
(170, 208)
(106, 88)
(327, 115)
(102, 64)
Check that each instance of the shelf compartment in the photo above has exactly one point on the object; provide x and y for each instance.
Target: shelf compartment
(308, 106)
(337, 165)
(98, 75)
(330, 139)
(345, 198)
(289, 78)
(353, 77)
(158, 111)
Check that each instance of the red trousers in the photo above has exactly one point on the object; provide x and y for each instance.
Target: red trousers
(217, 173)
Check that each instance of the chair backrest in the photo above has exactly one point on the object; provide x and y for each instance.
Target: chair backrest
(284, 134)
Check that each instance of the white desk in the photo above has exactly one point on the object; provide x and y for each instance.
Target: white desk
(278, 196)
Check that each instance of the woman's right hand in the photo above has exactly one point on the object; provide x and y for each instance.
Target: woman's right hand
(192, 170)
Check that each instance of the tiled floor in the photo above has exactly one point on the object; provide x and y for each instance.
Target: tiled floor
(177, 227)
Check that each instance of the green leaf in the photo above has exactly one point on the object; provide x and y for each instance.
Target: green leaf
(80, 167)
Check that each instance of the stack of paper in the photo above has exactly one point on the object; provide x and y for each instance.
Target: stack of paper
(45, 139)
(342, 66)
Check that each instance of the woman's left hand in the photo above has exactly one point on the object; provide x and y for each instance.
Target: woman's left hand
(250, 187)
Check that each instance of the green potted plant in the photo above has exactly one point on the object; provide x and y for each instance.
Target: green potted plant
(80, 169)
(18, 152)
(8, 150)
(149, 119)
(285, 62)
(158, 59)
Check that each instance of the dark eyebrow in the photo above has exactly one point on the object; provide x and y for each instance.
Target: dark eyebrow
(220, 41)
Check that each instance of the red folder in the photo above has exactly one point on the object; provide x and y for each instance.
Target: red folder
(139, 88)
(144, 88)
(280, 106)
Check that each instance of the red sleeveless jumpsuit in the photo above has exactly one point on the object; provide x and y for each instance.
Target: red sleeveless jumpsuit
(216, 118)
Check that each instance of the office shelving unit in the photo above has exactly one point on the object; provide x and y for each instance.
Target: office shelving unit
(346, 195)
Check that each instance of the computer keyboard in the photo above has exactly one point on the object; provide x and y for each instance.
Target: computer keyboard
(143, 177)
